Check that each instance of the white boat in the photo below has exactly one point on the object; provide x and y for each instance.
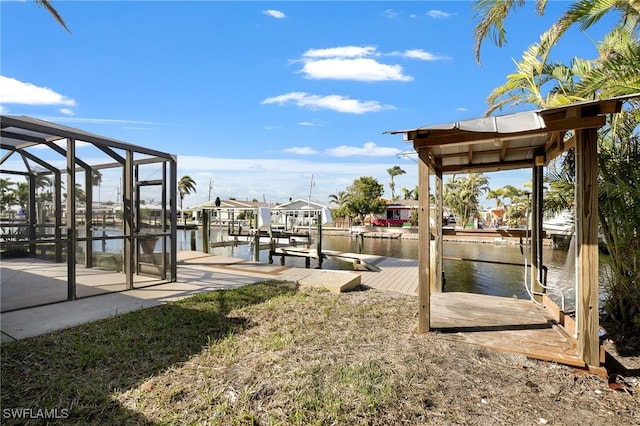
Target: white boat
(561, 224)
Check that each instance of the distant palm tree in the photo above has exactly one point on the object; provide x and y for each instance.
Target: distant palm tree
(341, 199)
(410, 194)
(47, 5)
(394, 171)
(7, 195)
(96, 180)
(461, 195)
(185, 186)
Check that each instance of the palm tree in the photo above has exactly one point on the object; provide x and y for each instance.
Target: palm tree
(21, 194)
(492, 14)
(7, 195)
(96, 180)
(80, 194)
(409, 194)
(185, 186)
(341, 199)
(461, 195)
(394, 171)
(613, 73)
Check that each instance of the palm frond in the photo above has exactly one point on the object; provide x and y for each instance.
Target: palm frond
(47, 5)
(491, 25)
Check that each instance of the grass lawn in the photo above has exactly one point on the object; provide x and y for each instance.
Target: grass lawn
(271, 354)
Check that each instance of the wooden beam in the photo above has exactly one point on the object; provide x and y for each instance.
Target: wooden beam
(424, 248)
(587, 303)
(456, 168)
(490, 152)
(503, 149)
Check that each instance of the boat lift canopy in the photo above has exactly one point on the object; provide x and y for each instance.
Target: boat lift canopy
(523, 140)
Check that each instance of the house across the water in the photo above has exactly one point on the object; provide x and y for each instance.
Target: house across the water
(398, 213)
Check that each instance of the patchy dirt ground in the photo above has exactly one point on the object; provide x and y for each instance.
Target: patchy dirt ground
(318, 358)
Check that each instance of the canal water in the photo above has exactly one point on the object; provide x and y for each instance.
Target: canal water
(465, 276)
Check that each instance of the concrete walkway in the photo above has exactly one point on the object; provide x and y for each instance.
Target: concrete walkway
(197, 273)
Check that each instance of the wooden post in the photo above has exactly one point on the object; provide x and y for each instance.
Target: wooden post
(587, 304)
(205, 231)
(437, 275)
(256, 244)
(272, 249)
(424, 247)
(319, 244)
(536, 233)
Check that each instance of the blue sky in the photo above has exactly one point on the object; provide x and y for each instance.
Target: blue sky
(256, 97)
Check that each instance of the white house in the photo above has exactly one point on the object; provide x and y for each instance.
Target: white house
(300, 213)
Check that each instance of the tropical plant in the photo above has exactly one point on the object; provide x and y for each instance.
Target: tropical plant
(461, 195)
(364, 197)
(341, 200)
(518, 204)
(409, 194)
(393, 172)
(495, 194)
(613, 73)
(185, 186)
(7, 195)
(80, 194)
(20, 196)
(619, 214)
(492, 14)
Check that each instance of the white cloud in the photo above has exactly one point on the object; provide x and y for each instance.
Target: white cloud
(66, 111)
(419, 54)
(13, 91)
(279, 179)
(308, 123)
(341, 52)
(301, 150)
(332, 102)
(390, 13)
(463, 109)
(349, 63)
(369, 149)
(3, 110)
(439, 14)
(274, 13)
(359, 69)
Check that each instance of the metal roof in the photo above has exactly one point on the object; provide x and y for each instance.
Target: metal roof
(22, 132)
(510, 141)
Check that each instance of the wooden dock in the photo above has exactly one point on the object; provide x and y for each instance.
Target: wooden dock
(503, 324)
(361, 261)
